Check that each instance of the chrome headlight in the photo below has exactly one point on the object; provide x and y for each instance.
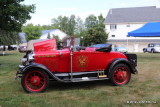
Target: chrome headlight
(31, 57)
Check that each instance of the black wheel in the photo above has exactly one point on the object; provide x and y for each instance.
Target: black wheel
(120, 74)
(152, 50)
(144, 50)
(35, 81)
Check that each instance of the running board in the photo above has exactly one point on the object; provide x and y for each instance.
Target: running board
(83, 79)
(99, 73)
(74, 73)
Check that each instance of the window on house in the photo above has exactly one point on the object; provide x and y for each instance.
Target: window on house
(113, 35)
(113, 27)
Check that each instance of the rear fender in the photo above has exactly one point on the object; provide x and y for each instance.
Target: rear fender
(118, 61)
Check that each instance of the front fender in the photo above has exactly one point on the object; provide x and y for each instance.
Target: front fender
(40, 66)
(121, 60)
(34, 65)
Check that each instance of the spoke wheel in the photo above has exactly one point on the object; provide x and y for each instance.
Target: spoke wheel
(120, 75)
(35, 81)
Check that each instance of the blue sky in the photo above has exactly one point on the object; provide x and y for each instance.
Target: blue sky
(49, 9)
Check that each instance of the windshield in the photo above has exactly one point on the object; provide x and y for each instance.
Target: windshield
(99, 45)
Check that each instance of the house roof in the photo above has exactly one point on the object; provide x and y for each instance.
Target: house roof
(48, 31)
(132, 15)
(57, 32)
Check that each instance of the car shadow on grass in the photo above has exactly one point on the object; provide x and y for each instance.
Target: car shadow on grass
(80, 85)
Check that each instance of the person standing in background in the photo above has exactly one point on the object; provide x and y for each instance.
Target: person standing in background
(4, 49)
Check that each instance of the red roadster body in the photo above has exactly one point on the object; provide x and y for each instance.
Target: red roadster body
(47, 63)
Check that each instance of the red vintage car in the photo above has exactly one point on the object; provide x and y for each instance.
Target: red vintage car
(47, 63)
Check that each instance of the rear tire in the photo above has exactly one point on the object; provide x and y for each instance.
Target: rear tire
(120, 75)
(144, 50)
(35, 81)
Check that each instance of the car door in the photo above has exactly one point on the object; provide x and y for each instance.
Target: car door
(149, 47)
(89, 61)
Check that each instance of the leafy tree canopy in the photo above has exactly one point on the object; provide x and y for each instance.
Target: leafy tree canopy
(90, 32)
(32, 32)
(91, 21)
(95, 32)
(8, 38)
(13, 15)
(66, 24)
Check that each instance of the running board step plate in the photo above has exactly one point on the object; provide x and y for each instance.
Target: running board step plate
(87, 79)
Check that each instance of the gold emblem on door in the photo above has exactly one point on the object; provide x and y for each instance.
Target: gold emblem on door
(82, 61)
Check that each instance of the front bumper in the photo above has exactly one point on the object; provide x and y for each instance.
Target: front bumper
(19, 72)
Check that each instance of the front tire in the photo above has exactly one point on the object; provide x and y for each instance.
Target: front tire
(152, 51)
(120, 75)
(35, 81)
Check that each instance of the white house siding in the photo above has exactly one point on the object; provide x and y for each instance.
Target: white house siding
(121, 31)
(134, 44)
(59, 33)
(44, 36)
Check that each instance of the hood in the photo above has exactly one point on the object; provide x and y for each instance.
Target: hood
(31, 42)
(48, 45)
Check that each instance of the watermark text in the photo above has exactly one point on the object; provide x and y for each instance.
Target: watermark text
(142, 102)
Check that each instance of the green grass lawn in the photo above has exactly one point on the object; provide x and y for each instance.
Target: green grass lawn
(143, 86)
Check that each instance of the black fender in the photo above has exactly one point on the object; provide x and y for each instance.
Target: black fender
(40, 66)
(121, 60)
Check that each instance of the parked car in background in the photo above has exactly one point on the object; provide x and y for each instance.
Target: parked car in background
(152, 48)
(12, 47)
(22, 47)
(120, 49)
(1, 47)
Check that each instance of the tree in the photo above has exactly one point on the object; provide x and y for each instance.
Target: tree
(90, 32)
(47, 27)
(56, 23)
(57, 38)
(64, 23)
(101, 20)
(48, 37)
(13, 15)
(91, 21)
(95, 33)
(79, 28)
(8, 38)
(32, 32)
(61, 23)
(71, 25)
